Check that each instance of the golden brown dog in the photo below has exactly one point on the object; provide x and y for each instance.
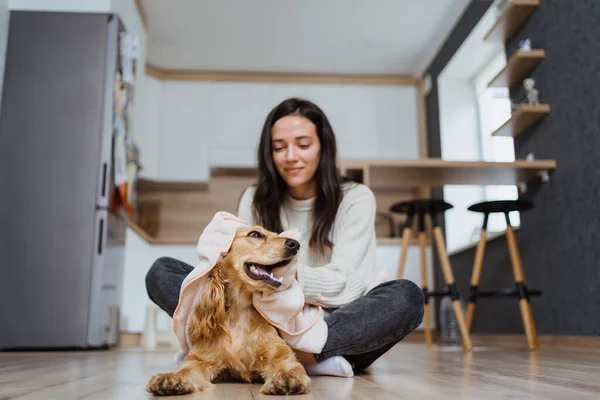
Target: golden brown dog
(228, 334)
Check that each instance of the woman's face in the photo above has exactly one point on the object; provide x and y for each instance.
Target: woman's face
(296, 152)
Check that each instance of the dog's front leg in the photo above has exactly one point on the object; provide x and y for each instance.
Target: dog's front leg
(194, 374)
(282, 372)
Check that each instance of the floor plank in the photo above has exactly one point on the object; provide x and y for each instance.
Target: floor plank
(408, 371)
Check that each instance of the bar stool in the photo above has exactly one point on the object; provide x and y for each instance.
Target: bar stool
(521, 292)
(421, 208)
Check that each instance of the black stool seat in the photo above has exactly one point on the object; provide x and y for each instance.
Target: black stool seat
(416, 206)
(501, 206)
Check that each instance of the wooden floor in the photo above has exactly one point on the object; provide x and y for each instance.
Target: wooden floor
(408, 371)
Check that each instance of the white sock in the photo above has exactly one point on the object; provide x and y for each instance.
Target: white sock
(334, 366)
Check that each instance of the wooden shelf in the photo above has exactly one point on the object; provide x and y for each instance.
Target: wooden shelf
(517, 68)
(396, 174)
(510, 20)
(522, 119)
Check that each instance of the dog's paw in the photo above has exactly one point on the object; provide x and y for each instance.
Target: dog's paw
(294, 381)
(169, 385)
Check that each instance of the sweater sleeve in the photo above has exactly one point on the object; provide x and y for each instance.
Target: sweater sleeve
(347, 275)
(244, 209)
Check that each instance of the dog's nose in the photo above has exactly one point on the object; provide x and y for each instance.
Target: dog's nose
(292, 245)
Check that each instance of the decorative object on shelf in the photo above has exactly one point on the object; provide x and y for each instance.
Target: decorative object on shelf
(531, 93)
(525, 45)
(514, 106)
(544, 175)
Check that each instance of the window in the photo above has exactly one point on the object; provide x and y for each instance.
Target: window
(494, 109)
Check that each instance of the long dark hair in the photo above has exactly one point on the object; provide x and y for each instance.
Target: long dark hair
(271, 188)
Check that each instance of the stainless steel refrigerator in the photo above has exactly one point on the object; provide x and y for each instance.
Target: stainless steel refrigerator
(61, 243)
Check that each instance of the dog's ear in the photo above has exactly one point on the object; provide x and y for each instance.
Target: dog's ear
(210, 312)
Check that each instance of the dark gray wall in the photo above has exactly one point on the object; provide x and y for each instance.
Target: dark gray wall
(560, 239)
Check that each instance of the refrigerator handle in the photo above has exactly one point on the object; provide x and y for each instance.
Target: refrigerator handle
(100, 235)
(104, 168)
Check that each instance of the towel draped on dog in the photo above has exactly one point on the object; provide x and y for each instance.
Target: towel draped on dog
(300, 325)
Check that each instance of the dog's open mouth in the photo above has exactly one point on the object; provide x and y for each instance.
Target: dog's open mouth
(264, 273)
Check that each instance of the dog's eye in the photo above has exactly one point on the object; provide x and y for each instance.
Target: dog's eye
(256, 234)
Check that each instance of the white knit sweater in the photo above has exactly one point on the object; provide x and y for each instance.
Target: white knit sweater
(344, 273)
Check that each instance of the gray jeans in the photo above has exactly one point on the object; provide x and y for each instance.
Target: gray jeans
(361, 331)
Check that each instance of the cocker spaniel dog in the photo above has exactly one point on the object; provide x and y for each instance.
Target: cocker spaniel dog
(227, 334)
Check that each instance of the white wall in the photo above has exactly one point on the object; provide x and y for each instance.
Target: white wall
(205, 124)
(185, 132)
(139, 256)
(4, 22)
(460, 137)
(148, 97)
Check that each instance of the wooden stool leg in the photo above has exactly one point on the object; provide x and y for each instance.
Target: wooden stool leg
(449, 278)
(406, 234)
(524, 304)
(476, 273)
(423, 256)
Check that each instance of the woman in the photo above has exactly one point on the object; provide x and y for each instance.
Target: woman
(299, 186)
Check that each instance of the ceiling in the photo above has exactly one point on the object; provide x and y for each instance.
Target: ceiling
(302, 36)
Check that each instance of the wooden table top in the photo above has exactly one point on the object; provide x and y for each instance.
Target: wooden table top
(438, 172)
